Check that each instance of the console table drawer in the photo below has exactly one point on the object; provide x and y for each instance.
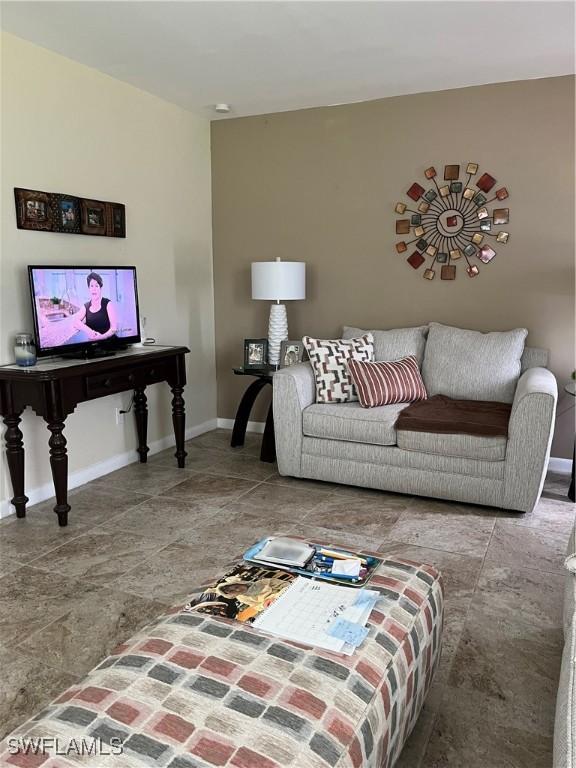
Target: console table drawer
(108, 384)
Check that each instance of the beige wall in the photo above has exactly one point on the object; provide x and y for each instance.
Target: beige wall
(320, 185)
(68, 128)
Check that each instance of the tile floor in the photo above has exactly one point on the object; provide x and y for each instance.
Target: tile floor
(143, 537)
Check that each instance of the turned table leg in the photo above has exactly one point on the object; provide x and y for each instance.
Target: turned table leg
(141, 413)
(15, 459)
(59, 466)
(179, 422)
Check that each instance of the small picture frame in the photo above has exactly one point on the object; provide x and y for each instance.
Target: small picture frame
(33, 210)
(255, 353)
(291, 352)
(115, 220)
(93, 217)
(66, 212)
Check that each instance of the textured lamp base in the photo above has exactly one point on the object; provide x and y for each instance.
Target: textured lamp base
(277, 331)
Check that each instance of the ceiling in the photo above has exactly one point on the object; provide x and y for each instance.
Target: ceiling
(273, 56)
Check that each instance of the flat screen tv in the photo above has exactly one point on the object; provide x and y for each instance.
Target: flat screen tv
(84, 311)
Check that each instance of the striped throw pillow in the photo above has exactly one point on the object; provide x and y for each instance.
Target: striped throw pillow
(385, 383)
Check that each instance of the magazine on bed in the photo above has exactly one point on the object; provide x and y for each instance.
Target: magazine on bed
(243, 593)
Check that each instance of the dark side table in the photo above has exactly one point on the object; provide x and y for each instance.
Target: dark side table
(263, 377)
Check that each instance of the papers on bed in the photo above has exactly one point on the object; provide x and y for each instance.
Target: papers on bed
(320, 614)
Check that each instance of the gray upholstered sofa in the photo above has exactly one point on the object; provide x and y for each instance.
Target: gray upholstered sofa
(348, 444)
(565, 725)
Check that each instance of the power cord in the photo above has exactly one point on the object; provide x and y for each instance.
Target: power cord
(129, 407)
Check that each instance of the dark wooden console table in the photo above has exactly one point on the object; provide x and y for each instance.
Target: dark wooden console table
(54, 387)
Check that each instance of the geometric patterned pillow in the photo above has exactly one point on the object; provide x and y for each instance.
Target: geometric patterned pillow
(329, 360)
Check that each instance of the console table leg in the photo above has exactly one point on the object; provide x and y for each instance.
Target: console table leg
(243, 412)
(141, 413)
(15, 459)
(268, 449)
(179, 422)
(59, 466)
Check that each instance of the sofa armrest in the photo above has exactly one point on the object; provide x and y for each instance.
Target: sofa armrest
(529, 438)
(294, 389)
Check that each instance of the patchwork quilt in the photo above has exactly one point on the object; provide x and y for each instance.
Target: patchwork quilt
(192, 691)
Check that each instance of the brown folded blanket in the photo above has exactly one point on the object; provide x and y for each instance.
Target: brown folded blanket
(443, 415)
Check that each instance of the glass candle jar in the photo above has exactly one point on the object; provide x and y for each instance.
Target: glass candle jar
(25, 350)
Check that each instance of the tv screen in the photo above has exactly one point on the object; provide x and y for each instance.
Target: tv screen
(80, 309)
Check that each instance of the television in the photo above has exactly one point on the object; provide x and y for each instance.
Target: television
(84, 311)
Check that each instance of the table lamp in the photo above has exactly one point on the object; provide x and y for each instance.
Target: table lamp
(278, 281)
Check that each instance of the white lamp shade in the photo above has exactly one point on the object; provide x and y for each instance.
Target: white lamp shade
(279, 280)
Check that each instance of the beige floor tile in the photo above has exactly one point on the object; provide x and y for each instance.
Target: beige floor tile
(291, 500)
(475, 732)
(459, 572)
(87, 633)
(144, 478)
(219, 439)
(23, 540)
(343, 512)
(162, 518)
(452, 532)
(210, 489)
(549, 515)
(357, 538)
(31, 599)
(91, 504)
(99, 556)
(26, 687)
(173, 573)
(521, 546)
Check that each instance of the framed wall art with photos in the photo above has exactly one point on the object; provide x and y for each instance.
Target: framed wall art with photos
(57, 212)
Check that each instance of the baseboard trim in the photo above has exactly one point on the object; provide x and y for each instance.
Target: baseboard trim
(253, 426)
(86, 474)
(560, 465)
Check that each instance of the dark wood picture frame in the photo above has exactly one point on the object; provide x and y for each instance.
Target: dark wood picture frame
(253, 361)
(115, 220)
(93, 217)
(33, 210)
(68, 214)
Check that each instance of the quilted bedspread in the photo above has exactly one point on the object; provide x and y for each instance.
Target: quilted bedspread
(190, 691)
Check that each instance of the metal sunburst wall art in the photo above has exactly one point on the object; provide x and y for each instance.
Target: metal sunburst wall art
(452, 221)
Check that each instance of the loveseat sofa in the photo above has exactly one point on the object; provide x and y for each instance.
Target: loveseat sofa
(346, 443)
(565, 722)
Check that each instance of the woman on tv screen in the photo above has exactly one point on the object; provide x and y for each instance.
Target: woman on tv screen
(97, 317)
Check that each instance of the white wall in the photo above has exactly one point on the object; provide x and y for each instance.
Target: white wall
(68, 128)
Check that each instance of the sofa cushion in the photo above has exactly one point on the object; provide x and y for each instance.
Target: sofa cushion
(534, 357)
(471, 365)
(384, 383)
(329, 358)
(349, 421)
(395, 343)
(462, 446)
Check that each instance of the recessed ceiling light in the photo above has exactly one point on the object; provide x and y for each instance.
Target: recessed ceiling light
(222, 108)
